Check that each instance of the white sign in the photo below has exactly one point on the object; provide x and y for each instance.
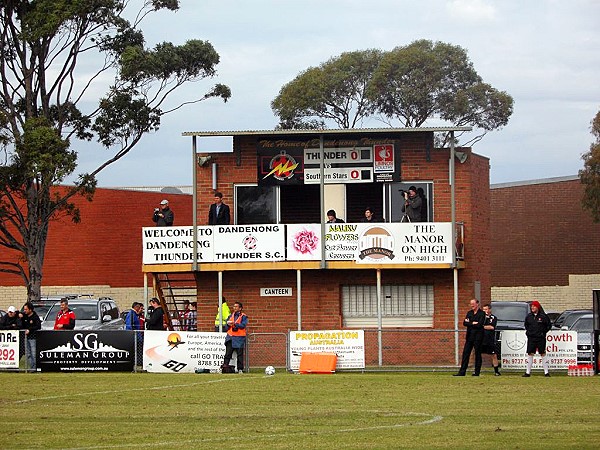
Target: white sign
(348, 345)
(183, 351)
(276, 292)
(9, 349)
(175, 245)
(380, 243)
(561, 350)
(248, 243)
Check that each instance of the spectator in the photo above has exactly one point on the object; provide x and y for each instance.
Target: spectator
(132, 320)
(412, 205)
(156, 319)
(65, 319)
(192, 318)
(370, 215)
(218, 213)
(236, 336)
(183, 315)
(474, 323)
(331, 217)
(537, 325)
(163, 216)
(31, 323)
(11, 321)
(221, 325)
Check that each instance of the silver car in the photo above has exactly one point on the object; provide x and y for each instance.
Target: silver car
(585, 338)
(90, 314)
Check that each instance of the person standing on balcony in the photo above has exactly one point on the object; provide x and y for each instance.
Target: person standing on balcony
(474, 322)
(236, 336)
(163, 216)
(219, 211)
(537, 325)
(370, 216)
(332, 218)
(412, 205)
(489, 337)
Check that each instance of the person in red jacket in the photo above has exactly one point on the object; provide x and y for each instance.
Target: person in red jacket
(65, 319)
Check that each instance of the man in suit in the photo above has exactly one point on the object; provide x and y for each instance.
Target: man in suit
(219, 211)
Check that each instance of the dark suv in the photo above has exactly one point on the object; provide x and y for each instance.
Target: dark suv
(511, 316)
(90, 314)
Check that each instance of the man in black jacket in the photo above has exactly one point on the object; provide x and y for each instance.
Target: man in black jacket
(11, 320)
(163, 216)
(537, 325)
(219, 211)
(31, 323)
(155, 321)
(474, 322)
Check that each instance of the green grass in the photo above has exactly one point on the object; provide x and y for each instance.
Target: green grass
(251, 411)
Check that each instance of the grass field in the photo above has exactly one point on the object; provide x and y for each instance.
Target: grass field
(341, 411)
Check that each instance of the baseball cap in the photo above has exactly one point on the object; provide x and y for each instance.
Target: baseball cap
(12, 309)
(164, 202)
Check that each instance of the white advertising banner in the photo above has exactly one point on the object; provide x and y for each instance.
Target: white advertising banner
(9, 349)
(348, 345)
(248, 243)
(183, 351)
(175, 245)
(561, 350)
(380, 243)
(402, 243)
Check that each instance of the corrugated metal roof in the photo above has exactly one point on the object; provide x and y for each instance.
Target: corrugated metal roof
(327, 131)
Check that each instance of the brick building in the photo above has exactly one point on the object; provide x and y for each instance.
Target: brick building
(544, 245)
(101, 255)
(427, 292)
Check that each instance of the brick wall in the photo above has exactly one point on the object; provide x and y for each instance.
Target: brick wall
(105, 249)
(541, 234)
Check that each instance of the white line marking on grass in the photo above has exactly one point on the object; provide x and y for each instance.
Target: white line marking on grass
(115, 391)
(432, 419)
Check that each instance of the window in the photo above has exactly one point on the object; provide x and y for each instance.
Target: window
(255, 204)
(401, 306)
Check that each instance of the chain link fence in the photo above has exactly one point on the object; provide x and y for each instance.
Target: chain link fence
(400, 350)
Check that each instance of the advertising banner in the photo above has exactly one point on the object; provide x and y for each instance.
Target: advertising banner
(9, 349)
(184, 351)
(561, 350)
(348, 345)
(248, 243)
(173, 245)
(85, 351)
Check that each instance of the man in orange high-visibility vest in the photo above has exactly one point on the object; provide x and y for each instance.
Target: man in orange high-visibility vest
(236, 336)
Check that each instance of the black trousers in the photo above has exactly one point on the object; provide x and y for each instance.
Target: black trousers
(470, 344)
(229, 353)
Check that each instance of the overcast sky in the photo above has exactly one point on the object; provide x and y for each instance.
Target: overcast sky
(545, 54)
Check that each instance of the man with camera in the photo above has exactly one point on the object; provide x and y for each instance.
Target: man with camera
(163, 216)
(412, 205)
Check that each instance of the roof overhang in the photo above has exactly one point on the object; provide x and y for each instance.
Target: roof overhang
(324, 132)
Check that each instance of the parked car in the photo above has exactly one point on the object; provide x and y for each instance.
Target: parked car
(584, 326)
(90, 314)
(511, 316)
(568, 317)
(46, 301)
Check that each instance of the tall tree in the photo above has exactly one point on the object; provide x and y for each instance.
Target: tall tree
(333, 91)
(426, 80)
(590, 174)
(48, 105)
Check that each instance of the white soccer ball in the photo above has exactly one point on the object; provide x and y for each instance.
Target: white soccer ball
(269, 370)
